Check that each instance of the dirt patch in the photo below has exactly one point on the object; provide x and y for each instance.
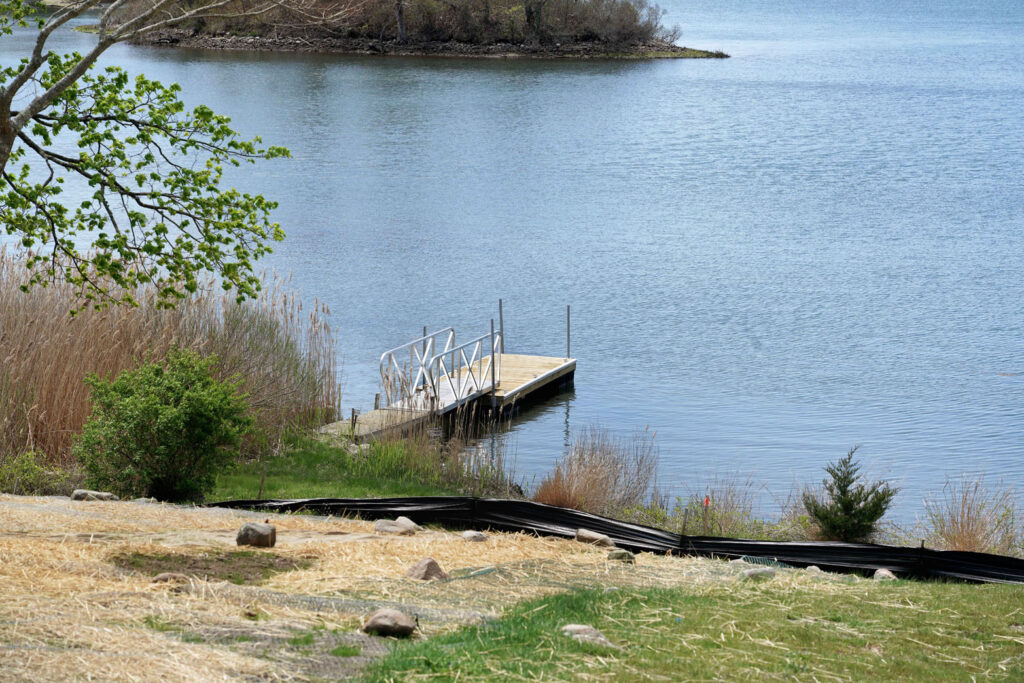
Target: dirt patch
(242, 567)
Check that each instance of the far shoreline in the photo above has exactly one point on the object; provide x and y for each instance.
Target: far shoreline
(450, 49)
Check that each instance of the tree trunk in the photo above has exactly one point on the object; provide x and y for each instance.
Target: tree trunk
(400, 16)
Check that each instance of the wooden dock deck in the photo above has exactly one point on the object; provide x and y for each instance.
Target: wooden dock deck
(522, 377)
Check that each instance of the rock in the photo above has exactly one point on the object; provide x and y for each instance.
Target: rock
(738, 560)
(426, 569)
(474, 536)
(759, 573)
(884, 575)
(257, 534)
(813, 569)
(390, 526)
(622, 556)
(594, 538)
(408, 523)
(588, 634)
(145, 500)
(390, 622)
(170, 577)
(86, 494)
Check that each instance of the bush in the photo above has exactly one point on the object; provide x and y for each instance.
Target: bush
(25, 474)
(851, 510)
(162, 430)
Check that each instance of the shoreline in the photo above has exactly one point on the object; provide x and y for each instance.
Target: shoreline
(450, 49)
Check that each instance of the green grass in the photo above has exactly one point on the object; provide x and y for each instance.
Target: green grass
(833, 628)
(346, 651)
(312, 469)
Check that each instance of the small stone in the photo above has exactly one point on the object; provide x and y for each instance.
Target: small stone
(426, 569)
(170, 577)
(583, 633)
(884, 575)
(622, 556)
(145, 500)
(474, 536)
(594, 538)
(759, 573)
(390, 526)
(738, 560)
(86, 494)
(390, 622)
(813, 569)
(257, 534)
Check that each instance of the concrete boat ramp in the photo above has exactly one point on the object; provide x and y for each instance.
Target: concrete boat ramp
(432, 376)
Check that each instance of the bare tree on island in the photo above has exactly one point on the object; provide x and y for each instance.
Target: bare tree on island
(157, 215)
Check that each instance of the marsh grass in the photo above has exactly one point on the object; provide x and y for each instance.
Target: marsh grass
(603, 474)
(283, 352)
(970, 515)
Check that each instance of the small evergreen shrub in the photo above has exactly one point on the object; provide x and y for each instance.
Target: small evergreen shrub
(162, 430)
(851, 510)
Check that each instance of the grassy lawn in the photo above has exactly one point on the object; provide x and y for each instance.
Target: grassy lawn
(838, 628)
(312, 469)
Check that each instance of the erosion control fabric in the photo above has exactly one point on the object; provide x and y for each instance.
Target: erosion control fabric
(547, 520)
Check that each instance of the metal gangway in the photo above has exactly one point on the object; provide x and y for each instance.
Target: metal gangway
(434, 374)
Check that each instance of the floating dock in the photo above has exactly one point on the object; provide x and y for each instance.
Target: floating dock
(431, 377)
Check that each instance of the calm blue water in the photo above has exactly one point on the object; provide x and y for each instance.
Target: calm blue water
(815, 244)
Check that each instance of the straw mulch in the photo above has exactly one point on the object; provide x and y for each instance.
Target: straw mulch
(70, 611)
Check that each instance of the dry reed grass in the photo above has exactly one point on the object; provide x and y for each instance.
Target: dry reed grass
(969, 515)
(68, 611)
(285, 355)
(603, 474)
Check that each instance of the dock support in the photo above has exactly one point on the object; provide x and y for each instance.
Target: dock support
(494, 398)
(568, 355)
(501, 326)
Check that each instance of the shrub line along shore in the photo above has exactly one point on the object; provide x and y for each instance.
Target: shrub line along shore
(654, 49)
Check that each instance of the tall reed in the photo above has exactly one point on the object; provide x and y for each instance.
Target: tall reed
(284, 354)
(969, 515)
(603, 474)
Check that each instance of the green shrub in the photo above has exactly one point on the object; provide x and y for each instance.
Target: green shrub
(25, 474)
(851, 510)
(162, 430)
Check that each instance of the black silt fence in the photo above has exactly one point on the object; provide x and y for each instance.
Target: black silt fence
(547, 520)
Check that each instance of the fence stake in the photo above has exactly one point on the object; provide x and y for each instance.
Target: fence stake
(376, 401)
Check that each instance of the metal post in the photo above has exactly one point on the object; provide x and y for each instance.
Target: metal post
(424, 352)
(501, 327)
(567, 354)
(494, 398)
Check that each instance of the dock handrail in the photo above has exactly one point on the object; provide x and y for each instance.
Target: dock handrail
(482, 368)
(403, 378)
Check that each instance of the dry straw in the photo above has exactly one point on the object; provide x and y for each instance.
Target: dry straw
(69, 612)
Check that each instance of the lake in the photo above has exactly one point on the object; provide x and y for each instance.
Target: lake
(770, 259)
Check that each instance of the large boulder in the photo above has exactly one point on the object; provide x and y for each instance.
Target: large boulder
(257, 534)
(390, 622)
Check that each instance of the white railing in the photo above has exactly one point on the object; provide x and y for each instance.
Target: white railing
(466, 371)
(406, 372)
